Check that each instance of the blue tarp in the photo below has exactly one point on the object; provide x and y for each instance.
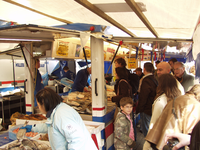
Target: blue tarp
(10, 88)
(81, 27)
(58, 70)
(5, 23)
(179, 57)
(45, 79)
(106, 66)
(83, 63)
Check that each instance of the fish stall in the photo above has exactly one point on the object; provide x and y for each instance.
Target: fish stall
(92, 106)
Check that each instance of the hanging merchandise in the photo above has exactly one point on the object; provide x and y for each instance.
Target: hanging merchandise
(142, 54)
(151, 55)
(147, 55)
(130, 49)
(158, 56)
(154, 55)
(156, 45)
(161, 59)
(164, 55)
(136, 55)
(165, 48)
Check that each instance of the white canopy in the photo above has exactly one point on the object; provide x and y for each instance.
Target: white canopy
(174, 19)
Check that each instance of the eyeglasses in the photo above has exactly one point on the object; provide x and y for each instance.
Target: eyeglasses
(127, 107)
(177, 69)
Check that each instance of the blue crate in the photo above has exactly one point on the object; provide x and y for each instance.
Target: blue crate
(12, 135)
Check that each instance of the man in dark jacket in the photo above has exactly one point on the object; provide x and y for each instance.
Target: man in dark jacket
(81, 80)
(138, 71)
(68, 73)
(186, 80)
(146, 97)
(38, 80)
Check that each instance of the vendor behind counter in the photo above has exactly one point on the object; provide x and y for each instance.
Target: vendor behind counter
(81, 79)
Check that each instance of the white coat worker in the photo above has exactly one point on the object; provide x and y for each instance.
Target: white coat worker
(65, 127)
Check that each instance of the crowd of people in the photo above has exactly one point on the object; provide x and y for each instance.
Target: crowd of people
(168, 102)
(166, 99)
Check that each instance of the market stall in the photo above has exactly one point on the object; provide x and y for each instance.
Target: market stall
(97, 110)
(132, 21)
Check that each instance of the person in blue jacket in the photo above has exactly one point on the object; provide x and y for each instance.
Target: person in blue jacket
(80, 81)
(68, 73)
(66, 129)
(38, 80)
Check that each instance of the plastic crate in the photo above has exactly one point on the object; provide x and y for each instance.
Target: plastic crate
(12, 135)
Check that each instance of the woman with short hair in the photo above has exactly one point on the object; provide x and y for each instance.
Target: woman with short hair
(65, 127)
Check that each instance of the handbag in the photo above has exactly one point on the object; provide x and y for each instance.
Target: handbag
(172, 142)
(117, 109)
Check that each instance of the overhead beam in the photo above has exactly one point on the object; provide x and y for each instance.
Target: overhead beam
(13, 55)
(36, 11)
(10, 51)
(101, 14)
(148, 40)
(132, 4)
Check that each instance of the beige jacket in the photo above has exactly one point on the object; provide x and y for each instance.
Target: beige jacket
(187, 109)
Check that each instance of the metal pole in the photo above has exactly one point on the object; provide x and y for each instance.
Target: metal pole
(46, 66)
(85, 56)
(13, 71)
(26, 62)
(120, 43)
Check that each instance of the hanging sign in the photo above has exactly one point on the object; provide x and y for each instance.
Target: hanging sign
(63, 48)
(132, 63)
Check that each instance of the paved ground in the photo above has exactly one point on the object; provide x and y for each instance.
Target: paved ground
(140, 139)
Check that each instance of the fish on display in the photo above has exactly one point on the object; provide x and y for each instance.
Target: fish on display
(27, 144)
(21, 133)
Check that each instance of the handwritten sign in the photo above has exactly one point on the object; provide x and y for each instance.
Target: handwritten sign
(132, 63)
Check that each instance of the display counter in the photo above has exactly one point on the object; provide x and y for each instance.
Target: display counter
(94, 129)
(110, 108)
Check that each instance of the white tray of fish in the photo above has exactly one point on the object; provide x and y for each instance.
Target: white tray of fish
(27, 144)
